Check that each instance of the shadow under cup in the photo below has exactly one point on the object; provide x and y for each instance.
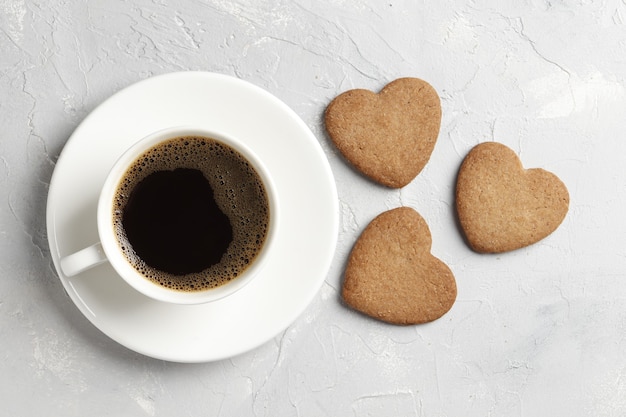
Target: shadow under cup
(188, 215)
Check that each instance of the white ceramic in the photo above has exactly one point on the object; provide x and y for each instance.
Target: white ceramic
(107, 249)
(305, 242)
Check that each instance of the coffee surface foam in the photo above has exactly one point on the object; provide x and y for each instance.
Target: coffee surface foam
(238, 191)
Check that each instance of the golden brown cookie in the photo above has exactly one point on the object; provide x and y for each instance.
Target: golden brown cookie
(502, 206)
(391, 274)
(388, 136)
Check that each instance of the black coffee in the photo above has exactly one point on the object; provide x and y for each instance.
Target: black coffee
(191, 214)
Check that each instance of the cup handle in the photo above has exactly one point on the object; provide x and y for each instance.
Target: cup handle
(82, 260)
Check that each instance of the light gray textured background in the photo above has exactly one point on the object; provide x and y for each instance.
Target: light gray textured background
(536, 332)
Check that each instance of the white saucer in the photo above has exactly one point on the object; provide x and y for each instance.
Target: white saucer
(305, 245)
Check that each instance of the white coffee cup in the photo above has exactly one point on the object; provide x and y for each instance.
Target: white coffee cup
(108, 248)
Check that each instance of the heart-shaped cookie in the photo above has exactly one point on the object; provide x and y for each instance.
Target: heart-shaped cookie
(391, 274)
(388, 136)
(502, 206)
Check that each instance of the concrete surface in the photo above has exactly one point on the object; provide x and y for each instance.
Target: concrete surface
(536, 332)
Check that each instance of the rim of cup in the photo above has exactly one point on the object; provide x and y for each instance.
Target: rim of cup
(119, 261)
